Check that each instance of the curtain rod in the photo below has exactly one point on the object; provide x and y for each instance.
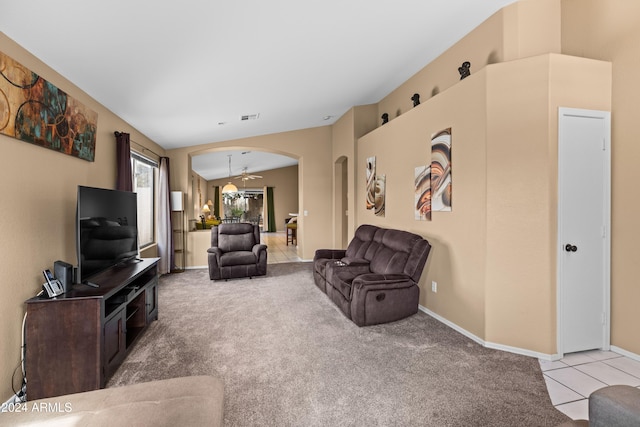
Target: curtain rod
(116, 133)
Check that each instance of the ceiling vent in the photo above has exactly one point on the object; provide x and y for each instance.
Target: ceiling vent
(250, 117)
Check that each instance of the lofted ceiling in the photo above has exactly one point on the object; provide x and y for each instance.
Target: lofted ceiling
(185, 73)
(216, 165)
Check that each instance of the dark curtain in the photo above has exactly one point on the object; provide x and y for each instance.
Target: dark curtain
(271, 211)
(216, 202)
(123, 160)
(164, 230)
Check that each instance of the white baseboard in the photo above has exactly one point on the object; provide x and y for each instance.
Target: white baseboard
(501, 347)
(626, 353)
(452, 325)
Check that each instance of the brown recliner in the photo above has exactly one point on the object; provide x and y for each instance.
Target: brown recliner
(375, 280)
(236, 251)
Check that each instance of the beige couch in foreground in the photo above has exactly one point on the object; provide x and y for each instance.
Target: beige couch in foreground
(186, 401)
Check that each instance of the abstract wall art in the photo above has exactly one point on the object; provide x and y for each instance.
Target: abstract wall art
(380, 195)
(36, 111)
(370, 188)
(422, 193)
(441, 182)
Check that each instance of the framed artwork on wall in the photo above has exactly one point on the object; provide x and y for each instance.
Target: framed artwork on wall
(370, 189)
(441, 182)
(380, 194)
(34, 110)
(422, 192)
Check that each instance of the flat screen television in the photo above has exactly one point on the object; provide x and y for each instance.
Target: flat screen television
(106, 230)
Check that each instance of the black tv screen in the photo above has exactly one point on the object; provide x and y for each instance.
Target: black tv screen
(106, 229)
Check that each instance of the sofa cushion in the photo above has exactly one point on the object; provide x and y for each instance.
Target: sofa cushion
(354, 261)
(236, 242)
(320, 265)
(616, 405)
(238, 258)
(342, 281)
(361, 240)
(388, 261)
(186, 401)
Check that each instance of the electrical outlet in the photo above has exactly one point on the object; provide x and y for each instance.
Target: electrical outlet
(434, 286)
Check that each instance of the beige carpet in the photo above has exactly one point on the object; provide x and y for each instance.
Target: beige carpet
(289, 357)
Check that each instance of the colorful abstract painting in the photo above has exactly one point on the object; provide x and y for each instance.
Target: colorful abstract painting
(36, 111)
(422, 193)
(441, 184)
(370, 188)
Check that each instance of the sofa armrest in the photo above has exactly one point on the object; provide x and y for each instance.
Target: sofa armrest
(354, 261)
(329, 254)
(389, 281)
(259, 248)
(336, 266)
(216, 251)
(213, 259)
(197, 400)
(616, 405)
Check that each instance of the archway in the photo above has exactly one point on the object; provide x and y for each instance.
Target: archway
(284, 178)
(341, 202)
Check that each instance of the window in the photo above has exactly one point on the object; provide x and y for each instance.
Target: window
(144, 182)
(245, 204)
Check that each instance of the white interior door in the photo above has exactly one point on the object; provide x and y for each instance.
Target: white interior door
(583, 229)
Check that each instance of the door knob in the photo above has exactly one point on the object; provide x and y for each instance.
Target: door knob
(570, 248)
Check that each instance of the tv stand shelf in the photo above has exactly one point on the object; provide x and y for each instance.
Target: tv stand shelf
(76, 341)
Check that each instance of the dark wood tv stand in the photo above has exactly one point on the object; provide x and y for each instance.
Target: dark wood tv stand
(76, 341)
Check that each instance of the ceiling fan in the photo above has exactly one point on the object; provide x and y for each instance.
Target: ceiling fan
(246, 176)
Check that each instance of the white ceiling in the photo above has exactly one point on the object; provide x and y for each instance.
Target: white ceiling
(183, 73)
(216, 165)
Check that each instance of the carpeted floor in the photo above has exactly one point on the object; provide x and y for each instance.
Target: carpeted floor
(289, 357)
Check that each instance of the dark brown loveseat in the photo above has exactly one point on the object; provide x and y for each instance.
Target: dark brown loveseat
(236, 251)
(375, 280)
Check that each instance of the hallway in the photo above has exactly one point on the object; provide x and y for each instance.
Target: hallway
(278, 250)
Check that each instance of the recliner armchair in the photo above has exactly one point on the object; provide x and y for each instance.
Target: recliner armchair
(236, 252)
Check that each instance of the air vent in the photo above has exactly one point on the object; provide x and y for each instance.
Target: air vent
(250, 117)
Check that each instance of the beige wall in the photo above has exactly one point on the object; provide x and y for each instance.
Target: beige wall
(493, 255)
(523, 101)
(356, 122)
(458, 238)
(198, 196)
(526, 28)
(608, 30)
(38, 213)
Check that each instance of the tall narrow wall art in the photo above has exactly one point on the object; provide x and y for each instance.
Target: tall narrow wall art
(380, 195)
(422, 193)
(370, 189)
(36, 111)
(441, 182)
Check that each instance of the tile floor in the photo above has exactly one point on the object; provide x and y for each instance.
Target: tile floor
(572, 379)
(278, 250)
(569, 380)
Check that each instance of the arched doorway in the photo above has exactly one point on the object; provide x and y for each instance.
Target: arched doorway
(251, 170)
(341, 192)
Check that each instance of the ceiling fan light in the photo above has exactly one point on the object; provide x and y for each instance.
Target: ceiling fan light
(229, 188)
